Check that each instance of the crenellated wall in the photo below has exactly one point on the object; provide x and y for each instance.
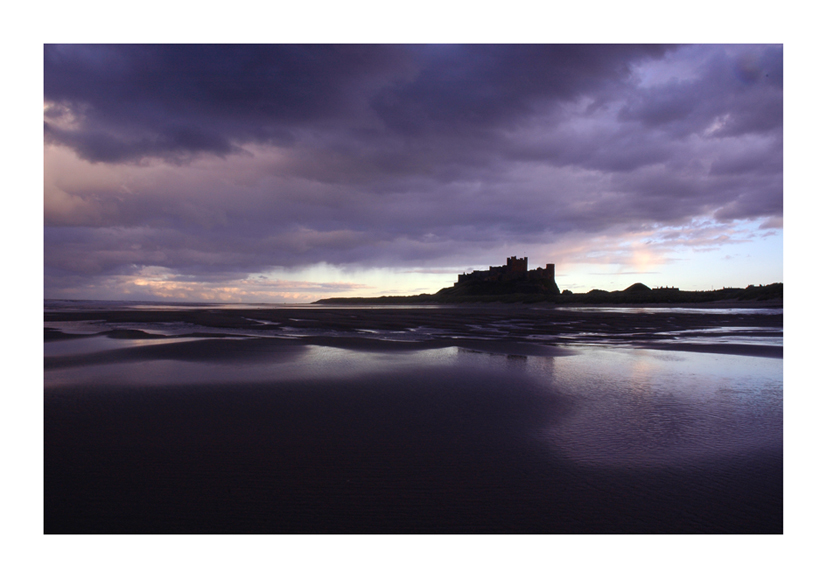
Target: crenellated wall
(515, 269)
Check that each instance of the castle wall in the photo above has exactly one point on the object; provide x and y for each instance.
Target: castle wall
(514, 270)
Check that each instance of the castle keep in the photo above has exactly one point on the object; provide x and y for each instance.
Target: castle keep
(514, 270)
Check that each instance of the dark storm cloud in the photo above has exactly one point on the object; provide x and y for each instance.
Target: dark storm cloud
(230, 160)
(173, 142)
(469, 89)
(165, 101)
(741, 87)
(131, 102)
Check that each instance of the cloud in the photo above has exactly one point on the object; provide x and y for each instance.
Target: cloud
(236, 160)
(380, 103)
(737, 90)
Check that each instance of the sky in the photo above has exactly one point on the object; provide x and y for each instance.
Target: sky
(290, 173)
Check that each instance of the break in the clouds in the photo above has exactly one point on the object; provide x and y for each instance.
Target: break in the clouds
(293, 172)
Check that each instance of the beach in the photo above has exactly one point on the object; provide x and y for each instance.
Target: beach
(428, 419)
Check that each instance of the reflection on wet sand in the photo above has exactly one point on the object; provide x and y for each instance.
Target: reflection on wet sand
(345, 429)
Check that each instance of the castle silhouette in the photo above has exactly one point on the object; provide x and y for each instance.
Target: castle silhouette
(514, 270)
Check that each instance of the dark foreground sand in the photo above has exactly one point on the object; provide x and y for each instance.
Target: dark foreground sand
(431, 451)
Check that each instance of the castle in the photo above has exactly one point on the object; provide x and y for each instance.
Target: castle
(514, 270)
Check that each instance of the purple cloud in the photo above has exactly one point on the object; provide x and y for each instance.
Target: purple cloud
(235, 160)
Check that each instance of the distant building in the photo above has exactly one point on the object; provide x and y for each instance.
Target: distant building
(514, 270)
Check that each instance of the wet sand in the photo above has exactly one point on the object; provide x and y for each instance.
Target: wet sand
(431, 450)
(352, 457)
(509, 326)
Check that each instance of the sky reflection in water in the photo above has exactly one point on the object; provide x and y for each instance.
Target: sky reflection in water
(622, 406)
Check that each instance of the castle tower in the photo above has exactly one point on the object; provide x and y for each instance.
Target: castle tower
(515, 265)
